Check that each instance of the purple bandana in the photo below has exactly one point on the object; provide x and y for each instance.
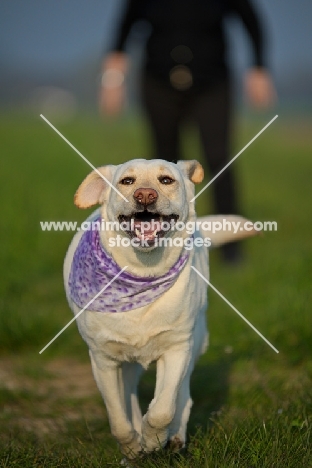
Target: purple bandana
(92, 268)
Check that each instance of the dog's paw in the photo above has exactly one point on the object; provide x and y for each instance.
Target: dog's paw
(153, 438)
(132, 449)
(175, 443)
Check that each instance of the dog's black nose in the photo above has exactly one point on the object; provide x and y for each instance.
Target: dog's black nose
(145, 196)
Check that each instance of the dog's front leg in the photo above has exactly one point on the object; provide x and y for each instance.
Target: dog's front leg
(109, 378)
(171, 369)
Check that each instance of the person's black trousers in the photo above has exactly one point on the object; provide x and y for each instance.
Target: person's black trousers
(210, 110)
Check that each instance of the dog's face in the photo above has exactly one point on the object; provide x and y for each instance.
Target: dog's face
(155, 195)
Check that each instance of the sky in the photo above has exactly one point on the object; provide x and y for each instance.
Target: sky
(48, 38)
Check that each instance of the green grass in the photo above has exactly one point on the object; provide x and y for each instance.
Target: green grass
(252, 407)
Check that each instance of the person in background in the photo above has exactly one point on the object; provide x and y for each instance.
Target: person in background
(185, 76)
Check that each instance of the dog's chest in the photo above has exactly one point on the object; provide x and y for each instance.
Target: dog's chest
(142, 348)
(138, 335)
(144, 334)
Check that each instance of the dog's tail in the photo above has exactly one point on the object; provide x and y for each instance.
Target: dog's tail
(225, 228)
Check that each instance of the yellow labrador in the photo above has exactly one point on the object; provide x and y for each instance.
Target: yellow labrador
(142, 301)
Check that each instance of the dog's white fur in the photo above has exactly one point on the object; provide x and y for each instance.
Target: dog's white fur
(171, 330)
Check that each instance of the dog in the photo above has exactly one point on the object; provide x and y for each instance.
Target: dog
(141, 299)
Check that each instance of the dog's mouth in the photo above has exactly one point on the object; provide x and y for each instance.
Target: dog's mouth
(146, 226)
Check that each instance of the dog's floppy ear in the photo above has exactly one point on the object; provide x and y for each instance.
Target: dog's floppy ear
(91, 190)
(193, 170)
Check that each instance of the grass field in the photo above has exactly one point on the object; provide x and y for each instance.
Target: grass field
(252, 407)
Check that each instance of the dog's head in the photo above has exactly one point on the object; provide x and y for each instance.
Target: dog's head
(146, 197)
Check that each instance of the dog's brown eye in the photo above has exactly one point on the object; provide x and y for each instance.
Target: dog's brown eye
(166, 180)
(127, 181)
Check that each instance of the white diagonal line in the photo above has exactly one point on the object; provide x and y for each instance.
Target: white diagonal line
(82, 156)
(235, 157)
(82, 310)
(235, 310)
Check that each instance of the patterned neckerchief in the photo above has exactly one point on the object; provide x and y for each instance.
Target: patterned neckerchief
(92, 268)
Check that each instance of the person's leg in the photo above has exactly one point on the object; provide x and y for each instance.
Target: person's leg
(211, 110)
(163, 108)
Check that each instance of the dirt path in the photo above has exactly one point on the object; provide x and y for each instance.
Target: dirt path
(44, 398)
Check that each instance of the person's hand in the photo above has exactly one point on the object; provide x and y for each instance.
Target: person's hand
(259, 88)
(112, 90)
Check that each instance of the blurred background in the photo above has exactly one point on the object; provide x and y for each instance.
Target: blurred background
(50, 409)
(54, 48)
